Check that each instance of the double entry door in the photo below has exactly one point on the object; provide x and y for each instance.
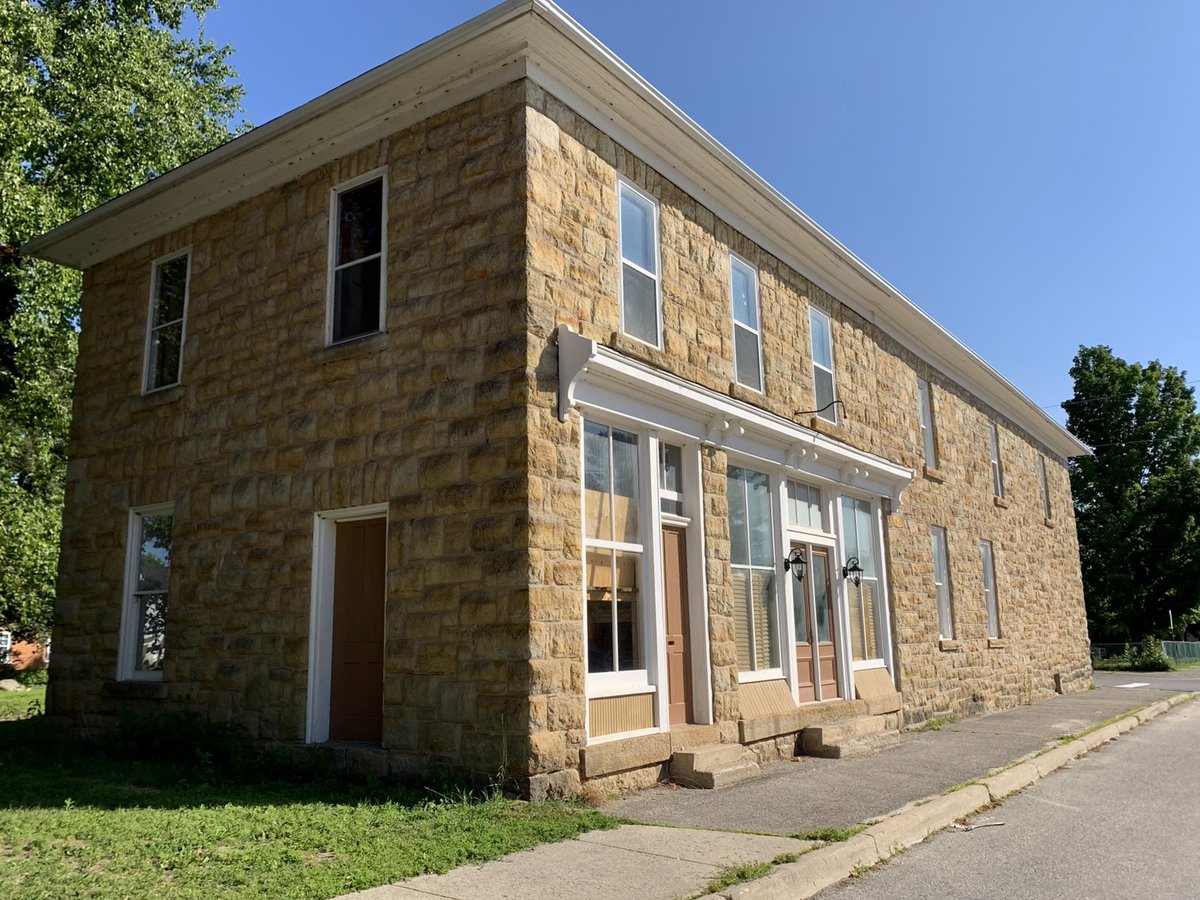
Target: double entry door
(816, 637)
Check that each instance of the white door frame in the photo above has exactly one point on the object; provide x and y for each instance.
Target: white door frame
(320, 622)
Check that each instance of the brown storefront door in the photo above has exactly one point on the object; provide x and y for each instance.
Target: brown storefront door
(679, 659)
(356, 676)
(816, 644)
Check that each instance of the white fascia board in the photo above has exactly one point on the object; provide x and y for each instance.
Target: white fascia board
(592, 377)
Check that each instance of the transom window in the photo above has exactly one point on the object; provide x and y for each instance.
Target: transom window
(148, 573)
(168, 304)
(752, 558)
(994, 455)
(747, 340)
(640, 290)
(804, 506)
(941, 582)
(989, 588)
(613, 550)
(357, 270)
(824, 389)
(925, 406)
(670, 479)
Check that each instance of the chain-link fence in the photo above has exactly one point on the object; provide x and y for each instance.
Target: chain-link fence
(1182, 651)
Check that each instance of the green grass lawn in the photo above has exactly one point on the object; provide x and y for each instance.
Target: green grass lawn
(74, 825)
(16, 704)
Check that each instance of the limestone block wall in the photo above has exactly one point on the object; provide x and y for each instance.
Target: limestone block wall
(574, 272)
(269, 426)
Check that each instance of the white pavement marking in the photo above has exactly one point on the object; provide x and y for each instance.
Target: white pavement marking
(1135, 684)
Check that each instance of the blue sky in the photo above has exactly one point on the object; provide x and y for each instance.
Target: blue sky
(1027, 172)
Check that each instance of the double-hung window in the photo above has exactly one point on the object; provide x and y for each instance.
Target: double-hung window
(640, 288)
(925, 406)
(864, 602)
(941, 583)
(358, 252)
(613, 551)
(168, 306)
(1044, 487)
(994, 455)
(752, 556)
(747, 340)
(989, 588)
(147, 584)
(824, 390)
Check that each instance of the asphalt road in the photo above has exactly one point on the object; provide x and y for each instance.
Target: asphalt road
(1182, 680)
(1121, 822)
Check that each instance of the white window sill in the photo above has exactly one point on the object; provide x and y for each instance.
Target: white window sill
(760, 675)
(625, 684)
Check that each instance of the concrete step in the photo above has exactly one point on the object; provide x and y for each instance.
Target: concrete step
(713, 765)
(851, 737)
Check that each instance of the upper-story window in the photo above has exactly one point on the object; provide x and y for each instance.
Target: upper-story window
(925, 405)
(994, 455)
(357, 259)
(1044, 487)
(147, 581)
(747, 339)
(168, 305)
(640, 289)
(941, 582)
(988, 560)
(824, 390)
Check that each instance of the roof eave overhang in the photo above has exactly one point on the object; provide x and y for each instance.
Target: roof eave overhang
(535, 39)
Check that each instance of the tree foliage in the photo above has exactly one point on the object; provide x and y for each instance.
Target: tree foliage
(96, 97)
(1137, 499)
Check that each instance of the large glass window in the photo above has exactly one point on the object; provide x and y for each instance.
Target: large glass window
(862, 602)
(747, 340)
(639, 266)
(358, 261)
(989, 588)
(613, 549)
(149, 573)
(941, 582)
(925, 406)
(168, 302)
(752, 556)
(824, 391)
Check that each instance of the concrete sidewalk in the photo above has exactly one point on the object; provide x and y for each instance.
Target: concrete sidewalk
(902, 790)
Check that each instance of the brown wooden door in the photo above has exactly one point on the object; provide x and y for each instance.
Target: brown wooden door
(822, 588)
(801, 612)
(356, 676)
(679, 657)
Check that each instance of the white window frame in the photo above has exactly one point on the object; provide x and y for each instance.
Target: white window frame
(783, 629)
(130, 642)
(925, 412)
(883, 610)
(335, 193)
(994, 459)
(1044, 484)
(151, 327)
(987, 559)
(942, 589)
(622, 186)
(815, 317)
(826, 527)
(738, 262)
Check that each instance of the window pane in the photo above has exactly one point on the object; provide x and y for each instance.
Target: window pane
(596, 494)
(170, 290)
(821, 350)
(628, 596)
(866, 546)
(823, 393)
(766, 622)
(360, 220)
(820, 583)
(670, 469)
(356, 300)
(154, 555)
(625, 486)
(152, 613)
(745, 305)
(989, 589)
(640, 306)
(741, 619)
(599, 579)
(746, 353)
(739, 544)
(758, 508)
(637, 230)
(800, 601)
(926, 415)
(804, 506)
(165, 351)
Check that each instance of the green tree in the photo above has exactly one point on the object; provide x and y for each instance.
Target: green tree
(1137, 499)
(96, 97)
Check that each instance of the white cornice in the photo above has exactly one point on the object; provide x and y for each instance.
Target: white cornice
(535, 38)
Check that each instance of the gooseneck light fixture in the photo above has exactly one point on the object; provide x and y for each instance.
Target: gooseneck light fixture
(853, 571)
(796, 564)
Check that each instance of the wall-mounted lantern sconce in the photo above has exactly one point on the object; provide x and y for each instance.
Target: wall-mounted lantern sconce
(796, 564)
(853, 571)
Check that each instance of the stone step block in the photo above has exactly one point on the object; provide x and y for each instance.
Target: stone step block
(713, 765)
(851, 737)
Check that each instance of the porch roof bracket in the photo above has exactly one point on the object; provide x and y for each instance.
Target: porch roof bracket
(574, 353)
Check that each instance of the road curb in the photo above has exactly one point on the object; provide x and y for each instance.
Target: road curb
(826, 866)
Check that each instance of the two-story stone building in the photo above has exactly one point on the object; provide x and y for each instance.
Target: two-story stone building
(486, 409)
